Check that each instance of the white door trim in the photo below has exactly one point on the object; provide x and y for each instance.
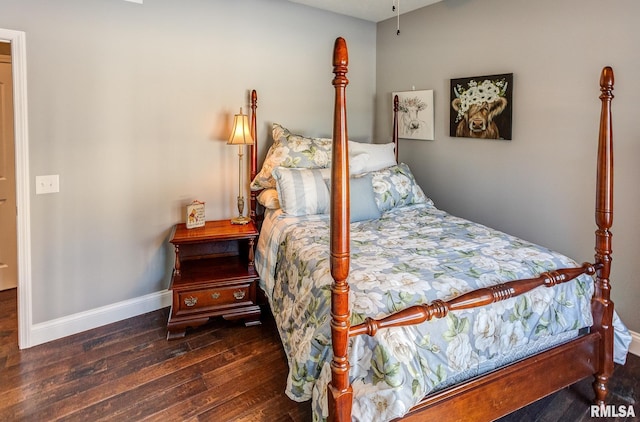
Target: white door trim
(19, 69)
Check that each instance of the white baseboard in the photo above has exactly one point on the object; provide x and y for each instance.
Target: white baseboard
(635, 343)
(82, 321)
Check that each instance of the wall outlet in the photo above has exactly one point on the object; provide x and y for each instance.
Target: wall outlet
(47, 184)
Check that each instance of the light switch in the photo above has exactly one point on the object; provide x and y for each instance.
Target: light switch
(47, 184)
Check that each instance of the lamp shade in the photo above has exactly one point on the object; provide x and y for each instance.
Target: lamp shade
(240, 133)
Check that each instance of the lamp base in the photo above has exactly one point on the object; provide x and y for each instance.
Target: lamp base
(240, 220)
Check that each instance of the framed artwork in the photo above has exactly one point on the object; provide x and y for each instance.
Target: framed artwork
(415, 114)
(481, 107)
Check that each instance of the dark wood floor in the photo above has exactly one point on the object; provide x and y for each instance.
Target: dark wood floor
(128, 371)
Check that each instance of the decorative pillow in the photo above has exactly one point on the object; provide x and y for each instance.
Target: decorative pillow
(396, 187)
(363, 201)
(268, 198)
(301, 191)
(292, 151)
(380, 155)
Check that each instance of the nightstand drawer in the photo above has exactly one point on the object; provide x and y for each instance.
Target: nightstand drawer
(215, 298)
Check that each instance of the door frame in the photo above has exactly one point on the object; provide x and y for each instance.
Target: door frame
(23, 215)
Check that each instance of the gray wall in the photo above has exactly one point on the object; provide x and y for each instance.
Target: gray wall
(540, 185)
(131, 105)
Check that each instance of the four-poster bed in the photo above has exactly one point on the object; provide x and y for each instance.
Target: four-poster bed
(300, 263)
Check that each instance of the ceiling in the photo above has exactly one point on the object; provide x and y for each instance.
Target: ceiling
(370, 10)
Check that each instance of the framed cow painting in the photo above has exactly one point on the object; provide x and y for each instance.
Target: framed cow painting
(415, 114)
(481, 107)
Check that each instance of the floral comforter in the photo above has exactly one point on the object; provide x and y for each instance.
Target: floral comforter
(411, 255)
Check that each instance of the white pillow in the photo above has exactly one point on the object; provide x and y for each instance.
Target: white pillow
(301, 191)
(379, 155)
(357, 162)
(357, 165)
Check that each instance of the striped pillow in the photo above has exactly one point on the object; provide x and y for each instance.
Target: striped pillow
(301, 191)
(292, 151)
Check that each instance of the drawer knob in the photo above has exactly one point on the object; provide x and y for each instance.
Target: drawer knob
(191, 301)
(239, 294)
(215, 295)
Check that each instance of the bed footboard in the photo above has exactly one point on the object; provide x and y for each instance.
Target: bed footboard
(481, 297)
(594, 352)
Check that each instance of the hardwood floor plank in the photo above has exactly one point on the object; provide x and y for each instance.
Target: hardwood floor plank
(251, 361)
(126, 373)
(8, 325)
(225, 383)
(220, 372)
(269, 411)
(66, 370)
(127, 348)
(43, 355)
(263, 389)
(135, 404)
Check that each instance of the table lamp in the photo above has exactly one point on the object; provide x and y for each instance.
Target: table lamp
(241, 136)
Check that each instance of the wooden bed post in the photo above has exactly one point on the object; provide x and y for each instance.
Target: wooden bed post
(254, 155)
(602, 306)
(395, 125)
(340, 393)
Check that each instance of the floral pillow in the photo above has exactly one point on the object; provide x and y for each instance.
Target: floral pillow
(395, 186)
(291, 151)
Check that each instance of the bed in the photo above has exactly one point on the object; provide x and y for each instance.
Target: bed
(389, 307)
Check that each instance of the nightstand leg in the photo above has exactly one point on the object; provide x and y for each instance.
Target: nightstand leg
(250, 315)
(178, 329)
(172, 335)
(176, 266)
(251, 323)
(251, 252)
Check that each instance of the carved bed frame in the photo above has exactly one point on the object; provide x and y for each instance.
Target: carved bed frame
(484, 397)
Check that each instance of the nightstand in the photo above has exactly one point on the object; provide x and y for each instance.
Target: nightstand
(213, 275)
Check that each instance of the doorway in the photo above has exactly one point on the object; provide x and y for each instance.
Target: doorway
(17, 41)
(8, 208)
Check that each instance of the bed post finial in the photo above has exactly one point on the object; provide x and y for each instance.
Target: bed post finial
(340, 55)
(606, 79)
(602, 306)
(340, 393)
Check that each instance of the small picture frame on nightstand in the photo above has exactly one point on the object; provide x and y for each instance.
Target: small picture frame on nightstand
(195, 214)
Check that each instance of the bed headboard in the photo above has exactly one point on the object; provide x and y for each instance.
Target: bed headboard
(255, 215)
